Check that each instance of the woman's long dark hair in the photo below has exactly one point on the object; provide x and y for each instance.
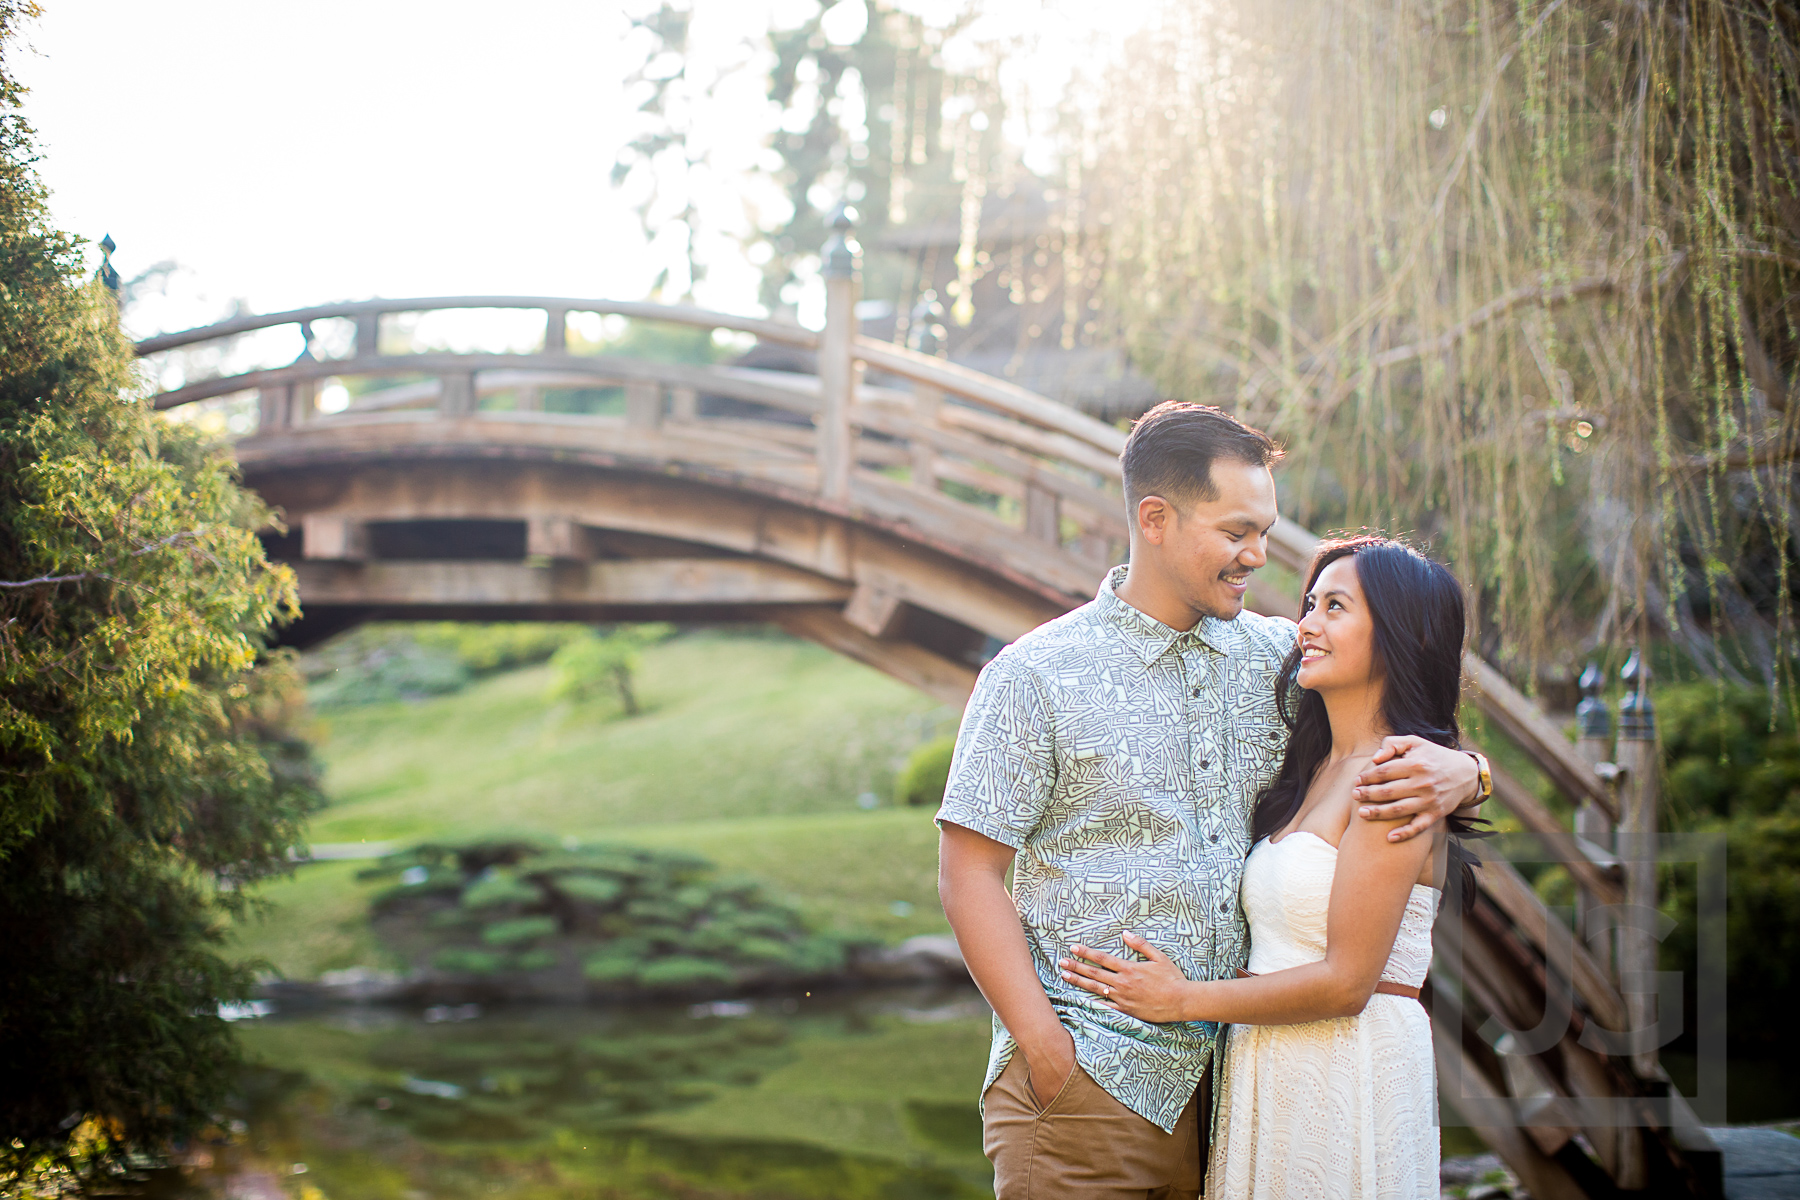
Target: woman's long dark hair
(1416, 610)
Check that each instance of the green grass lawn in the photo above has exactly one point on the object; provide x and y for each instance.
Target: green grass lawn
(751, 751)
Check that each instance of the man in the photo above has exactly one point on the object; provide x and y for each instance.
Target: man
(1112, 757)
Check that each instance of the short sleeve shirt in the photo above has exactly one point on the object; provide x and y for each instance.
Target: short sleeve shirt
(1121, 759)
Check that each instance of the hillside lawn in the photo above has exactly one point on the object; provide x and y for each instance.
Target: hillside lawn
(752, 751)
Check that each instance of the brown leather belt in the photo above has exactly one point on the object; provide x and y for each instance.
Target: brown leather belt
(1382, 986)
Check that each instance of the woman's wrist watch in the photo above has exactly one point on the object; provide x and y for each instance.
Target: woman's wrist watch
(1484, 777)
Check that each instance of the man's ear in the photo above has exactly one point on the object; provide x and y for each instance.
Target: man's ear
(1154, 516)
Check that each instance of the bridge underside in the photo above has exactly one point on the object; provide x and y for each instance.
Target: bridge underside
(440, 535)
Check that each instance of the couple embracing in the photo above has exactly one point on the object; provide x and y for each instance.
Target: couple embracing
(1213, 819)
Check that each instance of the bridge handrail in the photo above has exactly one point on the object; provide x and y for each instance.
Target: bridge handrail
(993, 393)
(680, 314)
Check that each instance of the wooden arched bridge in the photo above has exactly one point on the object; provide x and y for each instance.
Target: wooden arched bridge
(911, 515)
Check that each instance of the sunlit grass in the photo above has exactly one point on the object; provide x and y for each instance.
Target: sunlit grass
(752, 751)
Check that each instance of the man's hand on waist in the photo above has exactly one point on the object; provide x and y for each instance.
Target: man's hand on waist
(1418, 782)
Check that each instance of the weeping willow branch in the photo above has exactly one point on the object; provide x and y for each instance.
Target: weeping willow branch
(1542, 297)
(1517, 274)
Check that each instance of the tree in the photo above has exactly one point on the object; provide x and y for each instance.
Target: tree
(605, 661)
(148, 772)
(1518, 276)
(868, 112)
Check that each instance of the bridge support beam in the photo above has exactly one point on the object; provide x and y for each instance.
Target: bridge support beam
(559, 539)
(876, 611)
(334, 537)
(944, 680)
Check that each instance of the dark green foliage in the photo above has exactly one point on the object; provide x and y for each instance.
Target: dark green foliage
(614, 916)
(147, 768)
(1727, 772)
(926, 773)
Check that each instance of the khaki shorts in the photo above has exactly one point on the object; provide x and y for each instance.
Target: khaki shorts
(1086, 1144)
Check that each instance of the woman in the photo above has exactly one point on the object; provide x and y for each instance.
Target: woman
(1327, 1086)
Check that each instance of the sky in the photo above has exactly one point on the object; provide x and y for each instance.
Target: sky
(286, 155)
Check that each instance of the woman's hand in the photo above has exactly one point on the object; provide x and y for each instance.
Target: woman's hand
(1152, 990)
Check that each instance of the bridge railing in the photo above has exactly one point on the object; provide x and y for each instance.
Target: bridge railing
(890, 417)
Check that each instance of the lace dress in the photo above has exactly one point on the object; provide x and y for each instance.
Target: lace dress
(1340, 1108)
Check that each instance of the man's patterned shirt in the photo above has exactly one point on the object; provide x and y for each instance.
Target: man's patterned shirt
(1121, 759)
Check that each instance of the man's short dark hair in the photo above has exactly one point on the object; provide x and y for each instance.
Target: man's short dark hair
(1172, 448)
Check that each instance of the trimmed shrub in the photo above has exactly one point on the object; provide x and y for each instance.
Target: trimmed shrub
(614, 915)
(922, 781)
(519, 930)
(497, 890)
(683, 971)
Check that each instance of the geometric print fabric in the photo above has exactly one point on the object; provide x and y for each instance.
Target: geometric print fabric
(1121, 758)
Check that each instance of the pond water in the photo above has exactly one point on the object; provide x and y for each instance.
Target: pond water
(848, 1095)
(843, 1095)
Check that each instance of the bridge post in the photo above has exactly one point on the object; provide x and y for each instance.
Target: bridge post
(1637, 850)
(927, 400)
(837, 367)
(275, 408)
(1594, 744)
(368, 335)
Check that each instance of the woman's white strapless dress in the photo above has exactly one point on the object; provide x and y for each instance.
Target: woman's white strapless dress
(1333, 1109)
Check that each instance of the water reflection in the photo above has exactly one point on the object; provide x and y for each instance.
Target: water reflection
(844, 1095)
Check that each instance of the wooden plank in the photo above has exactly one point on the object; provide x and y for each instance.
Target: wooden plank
(709, 582)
